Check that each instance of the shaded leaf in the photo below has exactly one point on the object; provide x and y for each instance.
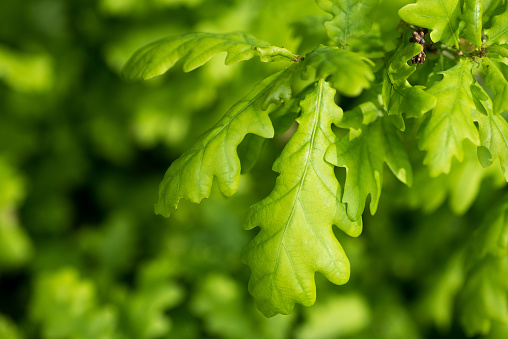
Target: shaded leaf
(491, 238)
(214, 154)
(350, 18)
(249, 151)
(296, 237)
(498, 32)
(485, 296)
(66, 307)
(450, 122)
(472, 16)
(197, 48)
(362, 152)
(441, 16)
(398, 94)
(350, 72)
(461, 185)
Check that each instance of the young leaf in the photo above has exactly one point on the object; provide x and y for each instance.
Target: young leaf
(498, 32)
(350, 18)
(496, 76)
(398, 94)
(197, 48)
(472, 16)
(215, 154)
(441, 16)
(493, 132)
(350, 72)
(296, 237)
(450, 122)
(363, 153)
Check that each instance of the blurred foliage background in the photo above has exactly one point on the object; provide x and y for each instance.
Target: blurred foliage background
(82, 152)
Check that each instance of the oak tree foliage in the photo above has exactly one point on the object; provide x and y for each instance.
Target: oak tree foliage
(358, 103)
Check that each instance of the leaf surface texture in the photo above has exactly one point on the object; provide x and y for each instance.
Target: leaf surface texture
(196, 49)
(450, 122)
(350, 18)
(362, 152)
(214, 154)
(296, 237)
(441, 16)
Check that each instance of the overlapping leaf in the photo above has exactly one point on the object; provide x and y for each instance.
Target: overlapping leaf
(350, 72)
(350, 18)
(362, 152)
(215, 154)
(398, 94)
(450, 123)
(493, 132)
(496, 76)
(197, 48)
(473, 18)
(296, 237)
(441, 16)
(498, 32)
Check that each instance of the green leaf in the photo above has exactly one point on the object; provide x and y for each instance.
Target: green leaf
(197, 48)
(461, 186)
(8, 328)
(502, 51)
(350, 18)
(441, 16)
(249, 151)
(498, 32)
(472, 16)
(485, 296)
(362, 152)
(321, 320)
(296, 237)
(65, 306)
(398, 94)
(438, 300)
(493, 130)
(215, 154)
(491, 238)
(350, 72)
(496, 76)
(450, 122)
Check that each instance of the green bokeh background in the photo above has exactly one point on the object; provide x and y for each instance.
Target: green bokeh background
(82, 152)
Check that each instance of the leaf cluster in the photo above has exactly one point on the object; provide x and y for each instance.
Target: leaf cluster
(357, 111)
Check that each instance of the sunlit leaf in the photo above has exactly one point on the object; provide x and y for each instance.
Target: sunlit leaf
(214, 154)
(450, 122)
(473, 16)
(196, 49)
(441, 16)
(398, 94)
(493, 130)
(296, 237)
(498, 32)
(496, 76)
(350, 18)
(362, 152)
(350, 72)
